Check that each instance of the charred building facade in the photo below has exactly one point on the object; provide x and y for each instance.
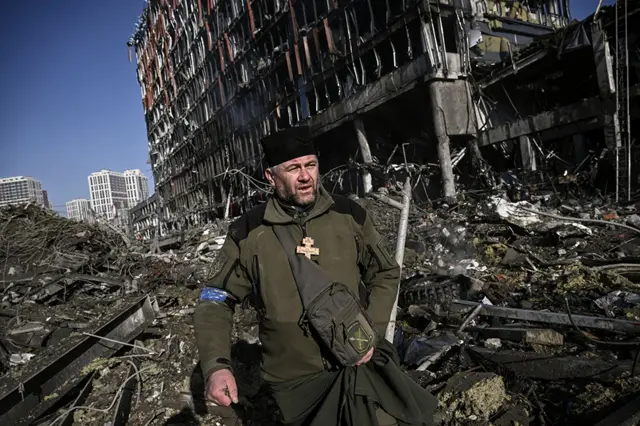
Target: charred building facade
(567, 105)
(375, 79)
(144, 220)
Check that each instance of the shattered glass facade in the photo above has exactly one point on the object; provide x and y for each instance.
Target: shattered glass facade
(217, 75)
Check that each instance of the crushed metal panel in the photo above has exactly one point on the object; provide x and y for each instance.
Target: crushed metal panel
(42, 382)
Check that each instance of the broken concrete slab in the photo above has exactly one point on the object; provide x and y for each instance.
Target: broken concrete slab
(473, 396)
(493, 343)
(31, 340)
(513, 258)
(633, 220)
(19, 359)
(30, 327)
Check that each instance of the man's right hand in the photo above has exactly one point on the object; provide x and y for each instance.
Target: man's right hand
(221, 388)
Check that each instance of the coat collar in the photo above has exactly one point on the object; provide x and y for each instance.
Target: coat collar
(275, 213)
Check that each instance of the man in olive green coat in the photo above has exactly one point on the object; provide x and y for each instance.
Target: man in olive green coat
(340, 236)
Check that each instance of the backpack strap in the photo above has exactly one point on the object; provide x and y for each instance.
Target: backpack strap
(310, 278)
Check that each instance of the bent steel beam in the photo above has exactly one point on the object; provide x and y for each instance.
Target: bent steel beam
(596, 323)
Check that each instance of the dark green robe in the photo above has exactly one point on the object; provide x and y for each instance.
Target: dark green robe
(349, 396)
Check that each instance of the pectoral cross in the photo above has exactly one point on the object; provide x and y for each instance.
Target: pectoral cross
(308, 248)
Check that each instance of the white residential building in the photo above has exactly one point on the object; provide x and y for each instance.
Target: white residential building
(80, 210)
(137, 186)
(108, 190)
(20, 190)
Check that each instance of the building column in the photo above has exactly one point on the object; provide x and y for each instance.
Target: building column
(436, 90)
(527, 154)
(365, 151)
(606, 85)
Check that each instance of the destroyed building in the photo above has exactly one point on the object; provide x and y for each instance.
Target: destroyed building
(569, 100)
(518, 304)
(369, 76)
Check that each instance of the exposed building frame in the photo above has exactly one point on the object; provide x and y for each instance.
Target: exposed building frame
(215, 77)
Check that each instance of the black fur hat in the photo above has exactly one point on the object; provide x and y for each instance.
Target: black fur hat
(288, 144)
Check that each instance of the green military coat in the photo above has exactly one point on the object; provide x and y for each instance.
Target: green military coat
(350, 250)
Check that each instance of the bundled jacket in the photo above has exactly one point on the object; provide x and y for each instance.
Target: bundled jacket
(255, 265)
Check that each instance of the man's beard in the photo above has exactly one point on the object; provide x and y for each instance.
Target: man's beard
(292, 199)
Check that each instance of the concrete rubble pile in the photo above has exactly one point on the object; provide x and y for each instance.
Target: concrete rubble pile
(524, 312)
(87, 315)
(512, 310)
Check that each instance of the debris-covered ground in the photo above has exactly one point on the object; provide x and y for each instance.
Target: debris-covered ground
(511, 313)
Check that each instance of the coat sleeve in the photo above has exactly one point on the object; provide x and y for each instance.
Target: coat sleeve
(381, 276)
(213, 317)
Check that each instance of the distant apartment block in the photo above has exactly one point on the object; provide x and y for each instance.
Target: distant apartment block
(80, 210)
(108, 190)
(137, 186)
(20, 190)
(45, 199)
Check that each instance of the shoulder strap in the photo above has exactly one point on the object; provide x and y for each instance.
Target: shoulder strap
(309, 276)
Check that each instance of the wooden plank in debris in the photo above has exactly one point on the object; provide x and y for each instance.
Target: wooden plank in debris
(536, 336)
(596, 323)
(42, 382)
(388, 200)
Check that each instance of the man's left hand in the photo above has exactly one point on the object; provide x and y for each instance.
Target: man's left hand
(367, 357)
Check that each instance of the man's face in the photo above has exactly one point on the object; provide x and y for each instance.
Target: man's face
(296, 181)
